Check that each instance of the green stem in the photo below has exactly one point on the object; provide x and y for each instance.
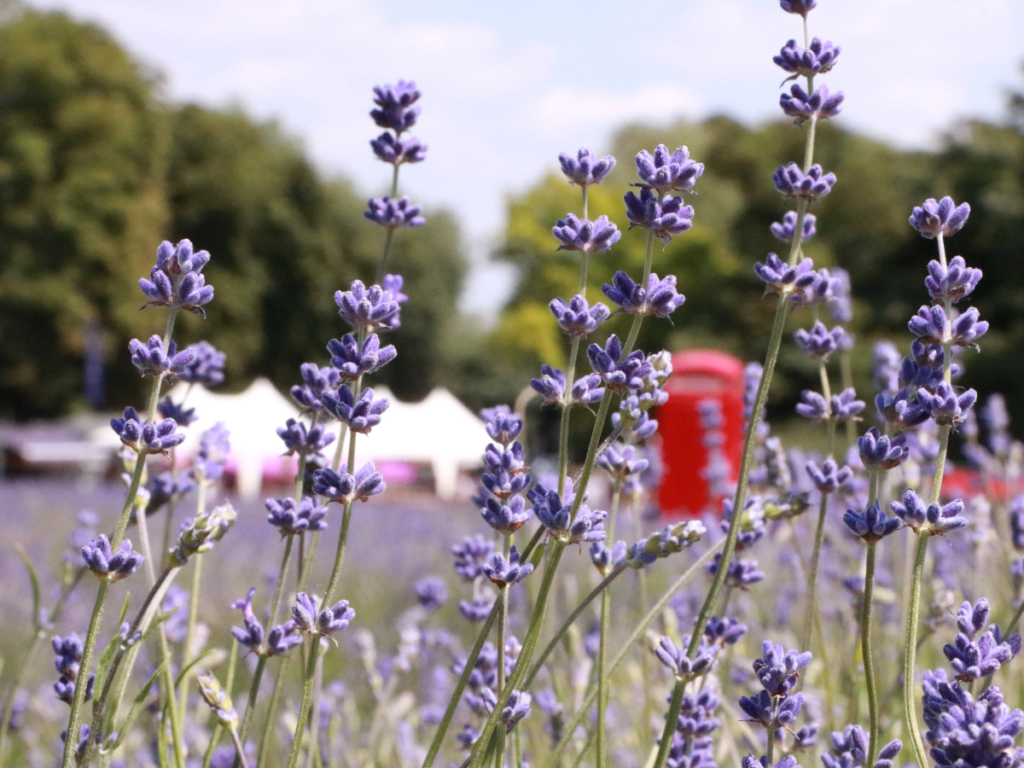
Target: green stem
(74, 719)
(275, 702)
(563, 427)
(218, 729)
(770, 751)
(346, 518)
(307, 695)
(499, 756)
(846, 374)
(239, 748)
(672, 722)
(865, 644)
(1012, 626)
(282, 577)
(812, 575)
(254, 688)
(910, 653)
(602, 654)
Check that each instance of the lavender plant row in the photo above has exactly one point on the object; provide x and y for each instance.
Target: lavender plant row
(625, 660)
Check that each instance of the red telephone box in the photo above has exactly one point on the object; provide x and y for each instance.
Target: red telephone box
(697, 375)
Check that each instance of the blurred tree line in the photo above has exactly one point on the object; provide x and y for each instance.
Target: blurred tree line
(862, 227)
(96, 169)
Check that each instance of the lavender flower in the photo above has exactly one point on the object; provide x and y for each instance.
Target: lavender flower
(502, 424)
(554, 511)
(506, 471)
(151, 360)
(217, 699)
(395, 108)
(153, 438)
(177, 280)
(578, 318)
(551, 385)
(362, 414)
(620, 461)
(290, 519)
(396, 150)
(251, 636)
(323, 622)
(830, 477)
(761, 708)
(621, 376)
(659, 299)
(819, 105)
(298, 439)
(824, 289)
(929, 519)
(353, 361)
(344, 488)
(818, 59)
(666, 542)
(182, 416)
(605, 559)
(785, 230)
(504, 572)
(879, 451)
(666, 219)
(929, 325)
(898, 411)
(946, 407)
(973, 656)
(778, 669)
(202, 532)
(584, 169)
(791, 181)
(668, 173)
(850, 748)
(587, 236)
(951, 283)
(516, 708)
(68, 662)
(214, 447)
(819, 343)
(470, 555)
(779, 277)
(477, 609)
(800, 7)
(394, 214)
(316, 381)
(724, 631)
(933, 218)
(872, 524)
(107, 564)
(679, 664)
(207, 366)
(506, 518)
(924, 369)
(841, 407)
(366, 309)
(431, 592)
(740, 574)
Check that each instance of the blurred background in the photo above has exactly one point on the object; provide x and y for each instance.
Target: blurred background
(244, 126)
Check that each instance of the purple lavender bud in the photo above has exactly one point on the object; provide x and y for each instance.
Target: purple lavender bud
(933, 218)
(669, 541)
(778, 669)
(659, 299)
(343, 488)
(323, 622)
(516, 708)
(478, 609)
(302, 441)
(182, 416)
(830, 477)
(361, 414)
(974, 657)
(177, 279)
(924, 369)
(206, 367)
(470, 555)
(668, 173)
(632, 417)
(819, 343)
(107, 564)
(840, 306)
(740, 574)
(291, 519)
(886, 367)
(282, 639)
(850, 748)
(395, 108)
(394, 214)
(930, 519)
(506, 518)
(214, 448)
(151, 360)
(661, 296)
(778, 276)
(316, 381)
(679, 664)
(587, 390)
(504, 572)
(621, 460)
(353, 361)
(952, 283)
(620, 376)
(818, 59)
(807, 738)
(666, 219)
(502, 424)
(785, 230)
(1017, 522)
(929, 325)
(551, 385)
(819, 105)
(251, 636)
(823, 289)
(605, 559)
(587, 236)
(791, 181)
(801, 7)
(69, 655)
(899, 411)
(396, 150)
(872, 524)
(761, 709)
(578, 318)
(842, 407)
(879, 451)
(584, 169)
(724, 631)
(506, 475)
(431, 592)
(946, 407)
(366, 309)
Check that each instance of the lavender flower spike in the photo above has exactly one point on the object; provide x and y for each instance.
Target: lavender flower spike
(551, 385)
(299, 440)
(819, 343)
(252, 635)
(665, 219)
(785, 230)
(362, 414)
(778, 276)
(506, 518)
(395, 108)
(791, 181)
(820, 105)
(394, 214)
(366, 309)
(778, 669)
(929, 325)
(396, 150)
(800, 7)
(353, 360)
(316, 381)
(153, 438)
(668, 173)
(929, 519)
(504, 572)
(588, 236)
(516, 708)
(107, 564)
(933, 218)
(207, 366)
(584, 169)
(872, 524)
(973, 658)
(343, 487)
(952, 283)
(324, 622)
(818, 59)
(879, 451)
(151, 360)
(659, 299)
(502, 424)
(830, 477)
(291, 519)
(578, 318)
(679, 663)
(945, 405)
(620, 376)
(177, 279)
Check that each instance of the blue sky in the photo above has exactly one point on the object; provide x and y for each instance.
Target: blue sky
(507, 86)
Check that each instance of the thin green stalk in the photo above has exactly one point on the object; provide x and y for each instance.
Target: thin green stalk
(73, 729)
(171, 707)
(910, 653)
(638, 318)
(382, 267)
(846, 376)
(672, 722)
(239, 747)
(865, 644)
(602, 654)
(193, 605)
(275, 702)
(770, 751)
(339, 555)
(307, 696)
(254, 688)
(812, 575)
(499, 756)
(218, 729)
(1012, 626)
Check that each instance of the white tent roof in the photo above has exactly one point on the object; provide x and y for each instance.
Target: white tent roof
(440, 431)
